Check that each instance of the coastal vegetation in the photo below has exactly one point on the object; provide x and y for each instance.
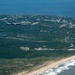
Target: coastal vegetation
(26, 41)
(18, 61)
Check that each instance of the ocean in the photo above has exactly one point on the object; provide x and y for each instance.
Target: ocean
(71, 71)
(67, 68)
(51, 7)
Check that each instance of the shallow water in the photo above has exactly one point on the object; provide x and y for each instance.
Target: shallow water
(71, 71)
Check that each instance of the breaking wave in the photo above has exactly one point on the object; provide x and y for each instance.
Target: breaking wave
(58, 69)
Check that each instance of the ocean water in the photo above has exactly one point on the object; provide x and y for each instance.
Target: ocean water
(67, 68)
(71, 71)
(51, 7)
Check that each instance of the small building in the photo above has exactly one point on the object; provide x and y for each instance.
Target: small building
(24, 48)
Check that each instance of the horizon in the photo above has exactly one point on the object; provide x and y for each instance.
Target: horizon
(42, 7)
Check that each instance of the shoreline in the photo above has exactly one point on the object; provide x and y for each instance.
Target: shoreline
(47, 66)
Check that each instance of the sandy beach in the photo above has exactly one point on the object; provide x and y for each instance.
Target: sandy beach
(48, 65)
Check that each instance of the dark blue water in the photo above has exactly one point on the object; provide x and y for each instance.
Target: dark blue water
(52, 7)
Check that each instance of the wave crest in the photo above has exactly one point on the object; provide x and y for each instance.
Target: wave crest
(59, 68)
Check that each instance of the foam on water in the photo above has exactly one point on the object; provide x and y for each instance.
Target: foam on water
(59, 68)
